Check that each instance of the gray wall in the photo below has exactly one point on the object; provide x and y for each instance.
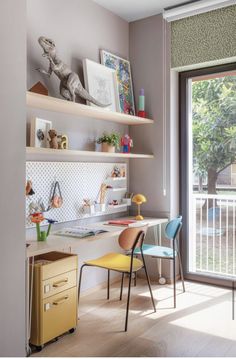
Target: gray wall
(146, 55)
(12, 161)
(80, 29)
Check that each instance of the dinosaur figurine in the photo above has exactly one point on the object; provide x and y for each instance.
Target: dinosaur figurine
(70, 84)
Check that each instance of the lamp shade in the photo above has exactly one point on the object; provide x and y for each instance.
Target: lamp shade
(139, 198)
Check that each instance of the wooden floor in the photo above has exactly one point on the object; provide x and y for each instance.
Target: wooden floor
(200, 326)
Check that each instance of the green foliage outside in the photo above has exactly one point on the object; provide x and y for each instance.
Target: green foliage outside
(214, 127)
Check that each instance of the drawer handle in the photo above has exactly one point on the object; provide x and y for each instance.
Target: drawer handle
(60, 283)
(60, 301)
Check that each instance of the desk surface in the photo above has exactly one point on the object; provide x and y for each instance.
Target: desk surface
(54, 242)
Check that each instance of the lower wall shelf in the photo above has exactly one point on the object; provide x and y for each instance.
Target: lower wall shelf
(73, 153)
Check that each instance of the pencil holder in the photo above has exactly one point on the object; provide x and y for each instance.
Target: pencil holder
(100, 207)
(126, 201)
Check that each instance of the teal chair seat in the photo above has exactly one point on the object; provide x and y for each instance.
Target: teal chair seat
(171, 231)
(156, 251)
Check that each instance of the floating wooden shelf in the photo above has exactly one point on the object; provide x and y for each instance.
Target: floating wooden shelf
(73, 153)
(117, 189)
(71, 108)
(118, 205)
(115, 178)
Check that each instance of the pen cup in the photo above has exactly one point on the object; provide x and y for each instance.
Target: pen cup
(126, 201)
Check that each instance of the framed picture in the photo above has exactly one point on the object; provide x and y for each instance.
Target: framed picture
(101, 83)
(124, 79)
(39, 132)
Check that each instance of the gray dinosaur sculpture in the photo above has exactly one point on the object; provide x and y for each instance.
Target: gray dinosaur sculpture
(70, 84)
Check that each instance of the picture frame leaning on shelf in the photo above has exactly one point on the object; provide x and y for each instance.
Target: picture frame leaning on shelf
(101, 83)
(124, 79)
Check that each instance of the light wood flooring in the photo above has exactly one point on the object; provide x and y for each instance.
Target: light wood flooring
(200, 326)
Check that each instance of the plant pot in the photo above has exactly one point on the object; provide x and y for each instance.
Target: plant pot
(108, 148)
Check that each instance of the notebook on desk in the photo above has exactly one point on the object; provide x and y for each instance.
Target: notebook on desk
(79, 232)
(125, 223)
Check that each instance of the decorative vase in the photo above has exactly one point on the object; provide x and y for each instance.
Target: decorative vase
(108, 148)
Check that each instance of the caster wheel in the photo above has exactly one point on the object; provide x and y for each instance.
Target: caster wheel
(72, 330)
(28, 352)
(162, 281)
(39, 348)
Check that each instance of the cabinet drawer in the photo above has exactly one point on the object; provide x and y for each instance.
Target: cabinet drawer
(57, 314)
(55, 263)
(59, 283)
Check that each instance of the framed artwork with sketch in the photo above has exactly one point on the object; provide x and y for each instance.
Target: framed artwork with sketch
(124, 79)
(101, 83)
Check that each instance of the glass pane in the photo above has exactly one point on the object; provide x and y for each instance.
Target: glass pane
(213, 174)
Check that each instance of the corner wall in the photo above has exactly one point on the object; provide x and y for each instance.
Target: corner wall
(12, 162)
(146, 55)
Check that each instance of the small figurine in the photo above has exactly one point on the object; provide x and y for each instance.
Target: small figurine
(63, 143)
(126, 143)
(123, 172)
(53, 139)
(116, 172)
(114, 202)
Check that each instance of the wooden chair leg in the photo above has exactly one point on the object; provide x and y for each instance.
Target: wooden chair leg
(128, 300)
(121, 287)
(108, 284)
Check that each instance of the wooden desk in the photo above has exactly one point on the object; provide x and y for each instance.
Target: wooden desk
(69, 244)
(57, 243)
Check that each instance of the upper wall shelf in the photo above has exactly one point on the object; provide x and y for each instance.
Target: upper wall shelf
(70, 154)
(76, 109)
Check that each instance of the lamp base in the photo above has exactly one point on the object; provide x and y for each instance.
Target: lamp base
(139, 218)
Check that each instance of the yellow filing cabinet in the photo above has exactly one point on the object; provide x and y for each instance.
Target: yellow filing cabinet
(54, 301)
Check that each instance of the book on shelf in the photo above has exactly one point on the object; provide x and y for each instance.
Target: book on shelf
(79, 232)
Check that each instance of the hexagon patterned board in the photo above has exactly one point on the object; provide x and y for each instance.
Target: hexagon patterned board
(78, 181)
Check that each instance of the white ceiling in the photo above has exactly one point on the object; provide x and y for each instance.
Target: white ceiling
(132, 10)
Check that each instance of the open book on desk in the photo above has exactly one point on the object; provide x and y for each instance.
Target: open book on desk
(79, 232)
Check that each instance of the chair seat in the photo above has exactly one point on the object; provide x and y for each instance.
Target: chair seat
(156, 251)
(116, 261)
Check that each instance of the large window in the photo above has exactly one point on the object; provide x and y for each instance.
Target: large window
(208, 178)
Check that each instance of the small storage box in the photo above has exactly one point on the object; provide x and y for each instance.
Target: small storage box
(54, 303)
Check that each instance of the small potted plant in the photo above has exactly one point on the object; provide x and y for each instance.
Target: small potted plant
(110, 142)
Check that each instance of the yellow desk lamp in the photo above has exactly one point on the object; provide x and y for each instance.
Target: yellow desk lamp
(139, 199)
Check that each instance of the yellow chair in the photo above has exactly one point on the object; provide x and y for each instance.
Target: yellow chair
(129, 240)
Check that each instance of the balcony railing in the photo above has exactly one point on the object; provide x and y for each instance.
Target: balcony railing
(212, 234)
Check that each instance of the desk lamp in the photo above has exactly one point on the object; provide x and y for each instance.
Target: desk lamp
(139, 199)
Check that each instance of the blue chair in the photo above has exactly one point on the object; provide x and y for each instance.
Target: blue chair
(171, 231)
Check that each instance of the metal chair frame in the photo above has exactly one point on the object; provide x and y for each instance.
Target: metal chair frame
(175, 248)
(140, 237)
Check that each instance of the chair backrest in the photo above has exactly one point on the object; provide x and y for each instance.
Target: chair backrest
(132, 237)
(173, 227)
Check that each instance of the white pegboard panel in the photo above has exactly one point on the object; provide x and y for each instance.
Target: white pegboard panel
(78, 180)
